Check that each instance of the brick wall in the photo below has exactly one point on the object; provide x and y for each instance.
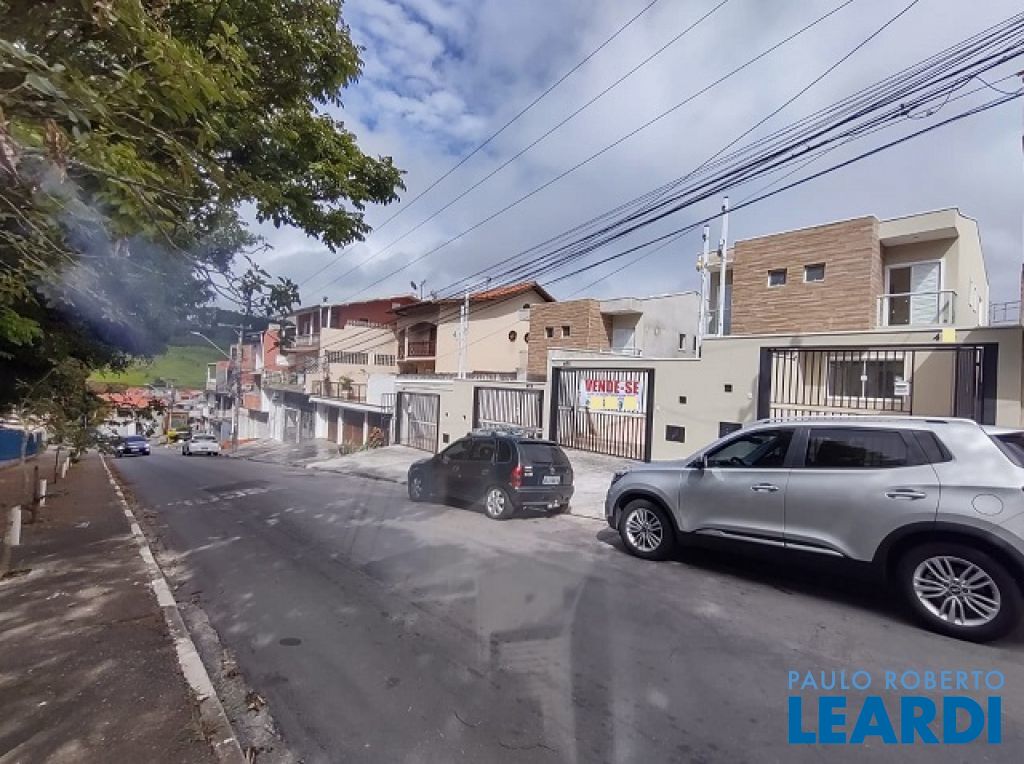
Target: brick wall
(587, 331)
(845, 300)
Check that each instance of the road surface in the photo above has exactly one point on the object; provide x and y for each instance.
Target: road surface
(384, 631)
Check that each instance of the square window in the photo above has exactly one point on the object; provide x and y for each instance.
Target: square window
(728, 388)
(682, 399)
(675, 433)
(549, 331)
(682, 342)
(777, 277)
(566, 331)
(813, 273)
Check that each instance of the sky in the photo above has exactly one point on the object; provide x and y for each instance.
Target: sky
(440, 76)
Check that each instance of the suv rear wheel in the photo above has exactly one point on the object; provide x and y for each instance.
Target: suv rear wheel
(646, 530)
(497, 504)
(960, 591)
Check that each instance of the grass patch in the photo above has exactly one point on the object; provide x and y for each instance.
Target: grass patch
(184, 364)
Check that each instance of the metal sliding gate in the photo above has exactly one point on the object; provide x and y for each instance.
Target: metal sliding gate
(607, 411)
(900, 380)
(506, 407)
(417, 420)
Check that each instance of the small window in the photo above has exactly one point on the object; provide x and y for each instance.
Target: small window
(777, 277)
(814, 273)
(932, 448)
(526, 337)
(763, 448)
(727, 428)
(682, 399)
(850, 448)
(682, 341)
(566, 331)
(1012, 444)
(512, 336)
(504, 451)
(526, 306)
(675, 433)
(728, 388)
(549, 331)
(458, 451)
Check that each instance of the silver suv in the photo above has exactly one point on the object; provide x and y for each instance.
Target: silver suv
(937, 504)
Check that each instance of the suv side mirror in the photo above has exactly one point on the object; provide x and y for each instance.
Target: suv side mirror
(700, 464)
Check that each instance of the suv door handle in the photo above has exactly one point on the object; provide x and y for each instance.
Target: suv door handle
(764, 488)
(905, 493)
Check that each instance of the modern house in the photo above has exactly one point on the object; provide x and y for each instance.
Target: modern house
(497, 341)
(856, 275)
(661, 326)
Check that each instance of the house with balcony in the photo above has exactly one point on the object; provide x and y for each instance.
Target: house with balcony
(852, 318)
(498, 332)
(660, 326)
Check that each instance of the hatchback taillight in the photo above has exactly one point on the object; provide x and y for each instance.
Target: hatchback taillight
(517, 476)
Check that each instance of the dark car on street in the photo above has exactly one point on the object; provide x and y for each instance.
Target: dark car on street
(131, 444)
(506, 471)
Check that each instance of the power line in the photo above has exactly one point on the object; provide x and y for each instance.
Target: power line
(589, 159)
(497, 132)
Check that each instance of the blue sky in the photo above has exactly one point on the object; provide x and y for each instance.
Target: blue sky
(440, 75)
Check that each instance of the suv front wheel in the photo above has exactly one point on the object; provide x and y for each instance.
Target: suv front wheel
(646, 530)
(959, 591)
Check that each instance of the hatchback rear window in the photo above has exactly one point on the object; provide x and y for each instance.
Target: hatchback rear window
(1011, 444)
(542, 453)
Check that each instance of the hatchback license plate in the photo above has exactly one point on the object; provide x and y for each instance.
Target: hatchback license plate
(552, 480)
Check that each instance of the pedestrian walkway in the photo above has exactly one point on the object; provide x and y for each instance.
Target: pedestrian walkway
(88, 671)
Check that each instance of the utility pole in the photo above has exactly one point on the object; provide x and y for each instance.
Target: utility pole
(463, 335)
(702, 268)
(722, 247)
(238, 390)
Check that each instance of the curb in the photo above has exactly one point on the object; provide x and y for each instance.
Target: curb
(222, 738)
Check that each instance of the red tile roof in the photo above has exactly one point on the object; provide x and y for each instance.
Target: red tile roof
(498, 293)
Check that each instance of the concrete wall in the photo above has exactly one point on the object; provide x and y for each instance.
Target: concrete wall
(663, 319)
(692, 392)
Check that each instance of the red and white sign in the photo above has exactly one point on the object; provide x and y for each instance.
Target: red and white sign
(622, 395)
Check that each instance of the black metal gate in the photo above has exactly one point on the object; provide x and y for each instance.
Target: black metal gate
(607, 411)
(509, 408)
(417, 421)
(904, 380)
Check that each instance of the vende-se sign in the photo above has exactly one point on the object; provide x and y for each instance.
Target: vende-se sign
(625, 395)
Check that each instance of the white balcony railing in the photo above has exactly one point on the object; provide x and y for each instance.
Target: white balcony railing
(306, 340)
(917, 308)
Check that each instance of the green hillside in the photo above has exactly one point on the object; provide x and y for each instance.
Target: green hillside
(185, 365)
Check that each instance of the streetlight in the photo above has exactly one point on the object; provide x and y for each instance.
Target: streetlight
(215, 345)
(238, 384)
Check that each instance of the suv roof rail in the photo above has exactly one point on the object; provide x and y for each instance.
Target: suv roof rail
(509, 432)
(865, 418)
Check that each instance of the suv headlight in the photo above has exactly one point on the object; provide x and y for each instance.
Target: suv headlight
(618, 475)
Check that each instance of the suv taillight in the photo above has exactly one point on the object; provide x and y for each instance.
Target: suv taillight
(517, 476)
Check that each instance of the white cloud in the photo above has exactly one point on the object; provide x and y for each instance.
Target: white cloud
(442, 74)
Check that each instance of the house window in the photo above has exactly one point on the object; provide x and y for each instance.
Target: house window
(813, 273)
(383, 359)
(682, 341)
(526, 337)
(512, 336)
(777, 277)
(565, 331)
(549, 331)
(875, 379)
(915, 295)
(342, 356)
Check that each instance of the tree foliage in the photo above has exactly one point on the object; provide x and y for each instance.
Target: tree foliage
(131, 131)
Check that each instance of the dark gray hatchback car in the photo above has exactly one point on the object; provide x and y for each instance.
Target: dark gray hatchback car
(937, 504)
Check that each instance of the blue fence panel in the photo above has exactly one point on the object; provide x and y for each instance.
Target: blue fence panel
(10, 443)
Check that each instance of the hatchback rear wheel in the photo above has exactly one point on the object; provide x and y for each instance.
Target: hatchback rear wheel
(960, 591)
(646, 530)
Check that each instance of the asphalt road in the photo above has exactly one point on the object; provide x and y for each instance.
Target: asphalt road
(385, 631)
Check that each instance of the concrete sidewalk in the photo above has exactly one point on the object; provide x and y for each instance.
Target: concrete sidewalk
(287, 454)
(88, 671)
(593, 472)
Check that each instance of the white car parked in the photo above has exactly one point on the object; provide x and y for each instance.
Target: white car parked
(206, 445)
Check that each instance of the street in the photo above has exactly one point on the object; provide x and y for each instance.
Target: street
(381, 630)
